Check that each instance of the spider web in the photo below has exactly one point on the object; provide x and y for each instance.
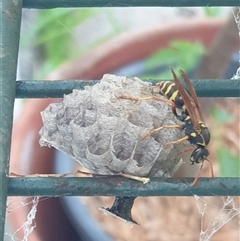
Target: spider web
(237, 20)
(28, 226)
(230, 207)
(222, 215)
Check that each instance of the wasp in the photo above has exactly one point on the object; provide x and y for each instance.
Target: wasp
(196, 132)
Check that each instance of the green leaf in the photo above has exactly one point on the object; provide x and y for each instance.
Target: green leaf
(221, 116)
(52, 23)
(181, 54)
(52, 32)
(212, 11)
(229, 163)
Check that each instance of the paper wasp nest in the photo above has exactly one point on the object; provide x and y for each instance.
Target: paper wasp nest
(103, 133)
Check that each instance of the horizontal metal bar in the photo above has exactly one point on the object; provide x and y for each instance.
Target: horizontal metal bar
(57, 88)
(53, 89)
(126, 3)
(116, 186)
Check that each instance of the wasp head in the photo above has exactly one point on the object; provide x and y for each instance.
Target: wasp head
(199, 154)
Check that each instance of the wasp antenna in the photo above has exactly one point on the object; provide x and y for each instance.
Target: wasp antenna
(197, 177)
(211, 166)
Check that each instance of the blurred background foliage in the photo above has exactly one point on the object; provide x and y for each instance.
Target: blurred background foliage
(228, 161)
(54, 33)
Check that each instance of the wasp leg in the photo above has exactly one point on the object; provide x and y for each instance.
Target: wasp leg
(160, 128)
(133, 98)
(170, 102)
(129, 97)
(211, 167)
(199, 172)
(197, 177)
(144, 180)
(186, 150)
(176, 142)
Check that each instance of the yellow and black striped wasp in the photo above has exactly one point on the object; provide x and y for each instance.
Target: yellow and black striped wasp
(196, 132)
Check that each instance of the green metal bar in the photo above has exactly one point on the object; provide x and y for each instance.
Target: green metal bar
(118, 186)
(126, 3)
(45, 89)
(10, 15)
(54, 89)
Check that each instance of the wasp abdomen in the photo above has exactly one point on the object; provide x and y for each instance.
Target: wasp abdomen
(168, 90)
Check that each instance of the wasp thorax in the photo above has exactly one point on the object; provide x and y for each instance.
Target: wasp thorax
(103, 133)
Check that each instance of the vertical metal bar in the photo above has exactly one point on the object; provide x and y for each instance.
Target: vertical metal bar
(10, 17)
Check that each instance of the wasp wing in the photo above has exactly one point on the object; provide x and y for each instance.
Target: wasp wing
(188, 101)
(193, 96)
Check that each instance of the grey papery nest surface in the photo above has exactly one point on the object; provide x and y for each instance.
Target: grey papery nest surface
(103, 133)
